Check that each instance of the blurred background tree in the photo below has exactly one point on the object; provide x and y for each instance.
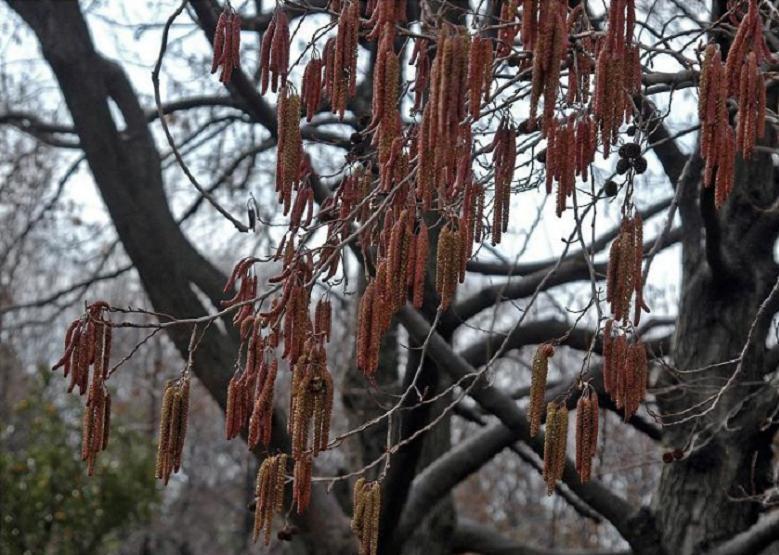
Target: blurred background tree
(47, 503)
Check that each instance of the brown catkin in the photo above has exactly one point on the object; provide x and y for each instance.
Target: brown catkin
(367, 510)
(420, 265)
(174, 415)
(538, 385)
(301, 492)
(163, 444)
(269, 493)
(555, 444)
(586, 433)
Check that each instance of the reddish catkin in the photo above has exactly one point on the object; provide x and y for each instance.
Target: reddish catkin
(420, 265)
(586, 432)
(479, 74)
(623, 275)
(538, 385)
(751, 107)
(278, 55)
(269, 493)
(555, 440)
(301, 491)
(548, 52)
(227, 44)
(420, 59)
(341, 58)
(508, 29)
(366, 501)
(365, 329)
(608, 347)
(260, 422)
(504, 155)
(311, 91)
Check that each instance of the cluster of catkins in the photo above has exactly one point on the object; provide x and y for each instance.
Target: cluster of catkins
(557, 423)
(227, 45)
(285, 331)
(365, 522)
(88, 346)
(623, 276)
(270, 494)
(740, 77)
(625, 369)
(570, 149)
(173, 427)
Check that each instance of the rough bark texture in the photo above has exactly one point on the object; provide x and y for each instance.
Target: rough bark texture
(725, 280)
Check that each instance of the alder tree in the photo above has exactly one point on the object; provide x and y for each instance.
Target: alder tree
(448, 117)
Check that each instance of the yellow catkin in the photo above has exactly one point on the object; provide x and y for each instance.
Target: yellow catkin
(173, 428)
(555, 444)
(164, 435)
(538, 385)
(367, 513)
(269, 493)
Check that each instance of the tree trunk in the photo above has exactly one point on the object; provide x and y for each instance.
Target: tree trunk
(728, 450)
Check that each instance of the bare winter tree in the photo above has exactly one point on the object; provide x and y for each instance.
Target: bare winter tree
(407, 140)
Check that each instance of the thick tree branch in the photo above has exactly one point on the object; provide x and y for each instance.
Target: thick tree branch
(473, 537)
(637, 527)
(754, 540)
(522, 269)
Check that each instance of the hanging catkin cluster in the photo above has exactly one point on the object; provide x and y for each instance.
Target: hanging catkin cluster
(443, 140)
(504, 157)
(718, 141)
(625, 370)
(508, 28)
(274, 53)
(247, 290)
(340, 57)
(555, 440)
(450, 261)
(751, 107)
(479, 74)
(581, 64)
(173, 427)
(85, 339)
(88, 346)
(623, 277)
(367, 509)
(311, 402)
(617, 73)
(544, 352)
(401, 266)
(749, 38)
(386, 81)
(227, 44)
(549, 48)
(586, 432)
(420, 59)
(289, 147)
(570, 149)
(270, 495)
(384, 12)
(311, 90)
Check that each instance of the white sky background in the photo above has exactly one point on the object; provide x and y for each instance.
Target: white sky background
(129, 31)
